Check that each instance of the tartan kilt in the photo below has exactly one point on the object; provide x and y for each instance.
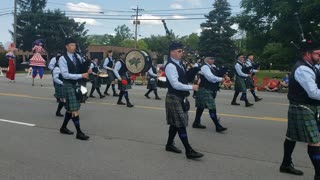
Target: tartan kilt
(59, 91)
(249, 83)
(302, 123)
(240, 84)
(111, 76)
(121, 87)
(95, 82)
(72, 103)
(205, 99)
(175, 114)
(152, 83)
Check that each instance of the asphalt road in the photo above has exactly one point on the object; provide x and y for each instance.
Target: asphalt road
(128, 143)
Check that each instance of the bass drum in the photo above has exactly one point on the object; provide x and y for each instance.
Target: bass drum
(138, 61)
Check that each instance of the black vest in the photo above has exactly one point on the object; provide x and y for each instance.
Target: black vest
(73, 68)
(296, 92)
(154, 70)
(123, 70)
(110, 63)
(243, 67)
(182, 78)
(207, 84)
(95, 68)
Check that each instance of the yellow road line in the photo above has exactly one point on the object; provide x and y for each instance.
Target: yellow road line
(154, 108)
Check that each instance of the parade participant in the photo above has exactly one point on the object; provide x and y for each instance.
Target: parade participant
(124, 84)
(11, 71)
(94, 78)
(205, 99)
(249, 66)
(109, 65)
(58, 86)
(304, 97)
(176, 103)
(53, 60)
(240, 82)
(152, 82)
(37, 62)
(70, 66)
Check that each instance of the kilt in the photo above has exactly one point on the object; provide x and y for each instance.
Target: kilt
(175, 114)
(121, 87)
(72, 103)
(240, 84)
(95, 82)
(205, 99)
(302, 123)
(111, 76)
(152, 83)
(249, 83)
(58, 91)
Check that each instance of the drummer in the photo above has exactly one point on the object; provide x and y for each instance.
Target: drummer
(109, 65)
(152, 82)
(95, 78)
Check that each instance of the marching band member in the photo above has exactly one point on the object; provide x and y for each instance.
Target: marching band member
(176, 104)
(109, 65)
(152, 82)
(249, 64)
(207, 93)
(70, 66)
(94, 78)
(240, 83)
(58, 86)
(121, 72)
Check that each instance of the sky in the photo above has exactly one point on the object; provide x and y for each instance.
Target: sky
(156, 10)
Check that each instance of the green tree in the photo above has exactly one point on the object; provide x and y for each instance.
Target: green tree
(191, 40)
(216, 33)
(105, 39)
(122, 32)
(131, 43)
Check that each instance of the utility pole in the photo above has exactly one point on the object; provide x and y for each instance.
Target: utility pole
(15, 23)
(136, 22)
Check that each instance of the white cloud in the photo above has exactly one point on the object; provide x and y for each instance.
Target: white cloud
(178, 17)
(84, 7)
(88, 21)
(176, 6)
(154, 20)
(235, 26)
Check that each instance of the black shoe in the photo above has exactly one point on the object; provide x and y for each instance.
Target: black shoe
(106, 93)
(173, 149)
(147, 96)
(65, 131)
(130, 105)
(82, 136)
(59, 114)
(198, 126)
(92, 96)
(221, 129)
(102, 96)
(120, 103)
(257, 99)
(192, 154)
(235, 103)
(157, 98)
(115, 94)
(290, 170)
(248, 104)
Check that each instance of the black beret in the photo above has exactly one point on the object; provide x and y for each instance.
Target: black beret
(175, 45)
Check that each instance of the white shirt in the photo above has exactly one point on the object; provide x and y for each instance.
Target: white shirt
(172, 76)
(150, 72)
(238, 68)
(64, 68)
(116, 69)
(106, 62)
(206, 72)
(248, 63)
(52, 63)
(56, 72)
(306, 78)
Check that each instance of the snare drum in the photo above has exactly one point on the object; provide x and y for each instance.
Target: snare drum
(103, 78)
(162, 82)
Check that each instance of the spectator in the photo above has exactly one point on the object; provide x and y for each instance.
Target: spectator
(273, 85)
(227, 83)
(285, 81)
